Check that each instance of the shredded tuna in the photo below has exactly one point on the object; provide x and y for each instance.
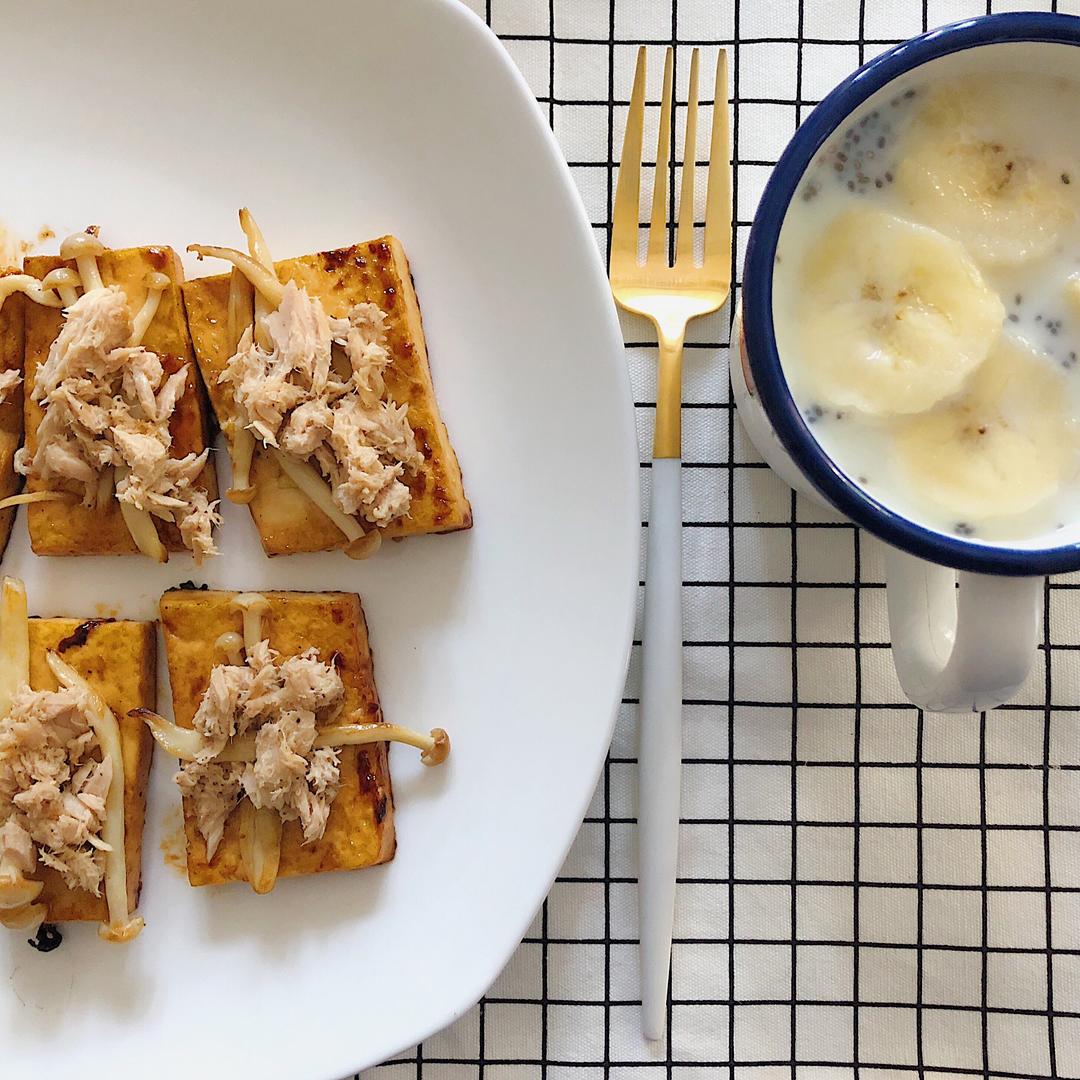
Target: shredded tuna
(214, 789)
(8, 381)
(283, 703)
(293, 398)
(53, 787)
(17, 846)
(108, 405)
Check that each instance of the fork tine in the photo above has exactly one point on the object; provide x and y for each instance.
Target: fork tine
(718, 199)
(624, 219)
(658, 234)
(684, 253)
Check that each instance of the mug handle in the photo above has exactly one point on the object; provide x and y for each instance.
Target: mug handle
(959, 649)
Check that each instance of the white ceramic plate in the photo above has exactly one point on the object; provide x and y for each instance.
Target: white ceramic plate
(336, 121)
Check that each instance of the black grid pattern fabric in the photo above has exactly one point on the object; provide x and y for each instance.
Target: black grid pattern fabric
(865, 889)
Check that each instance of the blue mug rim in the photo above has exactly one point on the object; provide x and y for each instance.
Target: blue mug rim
(771, 387)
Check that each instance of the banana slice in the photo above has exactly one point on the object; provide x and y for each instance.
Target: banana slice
(894, 316)
(970, 167)
(1000, 448)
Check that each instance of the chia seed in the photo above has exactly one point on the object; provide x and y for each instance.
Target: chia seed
(814, 414)
(962, 528)
(857, 157)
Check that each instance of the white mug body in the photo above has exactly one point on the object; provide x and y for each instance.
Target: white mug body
(963, 612)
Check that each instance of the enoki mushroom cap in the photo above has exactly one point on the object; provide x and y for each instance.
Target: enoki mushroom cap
(60, 278)
(230, 645)
(158, 281)
(82, 243)
(121, 931)
(254, 602)
(365, 546)
(16, 890)
(24, 917)
(439, 750)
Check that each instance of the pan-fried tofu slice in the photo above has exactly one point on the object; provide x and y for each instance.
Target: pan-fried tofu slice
(11, 410)
(376, 272)
(360, 829)
(119, 661)
(58, 528)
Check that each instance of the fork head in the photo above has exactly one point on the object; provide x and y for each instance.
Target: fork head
(663, 291)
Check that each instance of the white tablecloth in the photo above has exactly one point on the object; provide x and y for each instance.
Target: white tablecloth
(958, 950)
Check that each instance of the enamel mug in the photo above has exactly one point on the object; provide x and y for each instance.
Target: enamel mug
(964, 614)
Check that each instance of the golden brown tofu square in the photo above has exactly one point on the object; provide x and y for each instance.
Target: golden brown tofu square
(360, 829)
(375, 272)
(62, 529)
(119, 660)
(11, 410)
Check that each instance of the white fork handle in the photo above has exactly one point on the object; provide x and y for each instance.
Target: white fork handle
(660, 734)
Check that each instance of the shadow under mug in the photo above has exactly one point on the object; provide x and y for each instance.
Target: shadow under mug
(955, 648)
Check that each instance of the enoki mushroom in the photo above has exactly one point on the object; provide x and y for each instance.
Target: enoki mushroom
(17, 892)
(260, 829)
(257, 269)
(59, 288)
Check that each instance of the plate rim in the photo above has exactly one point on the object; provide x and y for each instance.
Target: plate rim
(594, 265)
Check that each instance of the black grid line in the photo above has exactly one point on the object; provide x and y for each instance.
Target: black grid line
(802, 763)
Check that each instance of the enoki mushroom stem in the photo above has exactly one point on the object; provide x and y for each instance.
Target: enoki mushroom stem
(243, 450)
(257, 245)
(240, 307)
(187, 744)
(65, 281)
(253, 606)
(308, 480)
(156, 284)
(260, 252)
(29, 286)
(27, 497)
(263, 280)
(141, 526)
(434, 747)
(122, 925)
(241, 441)
(260, 845)
(14, 641)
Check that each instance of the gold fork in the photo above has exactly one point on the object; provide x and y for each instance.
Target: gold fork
(669, 296)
